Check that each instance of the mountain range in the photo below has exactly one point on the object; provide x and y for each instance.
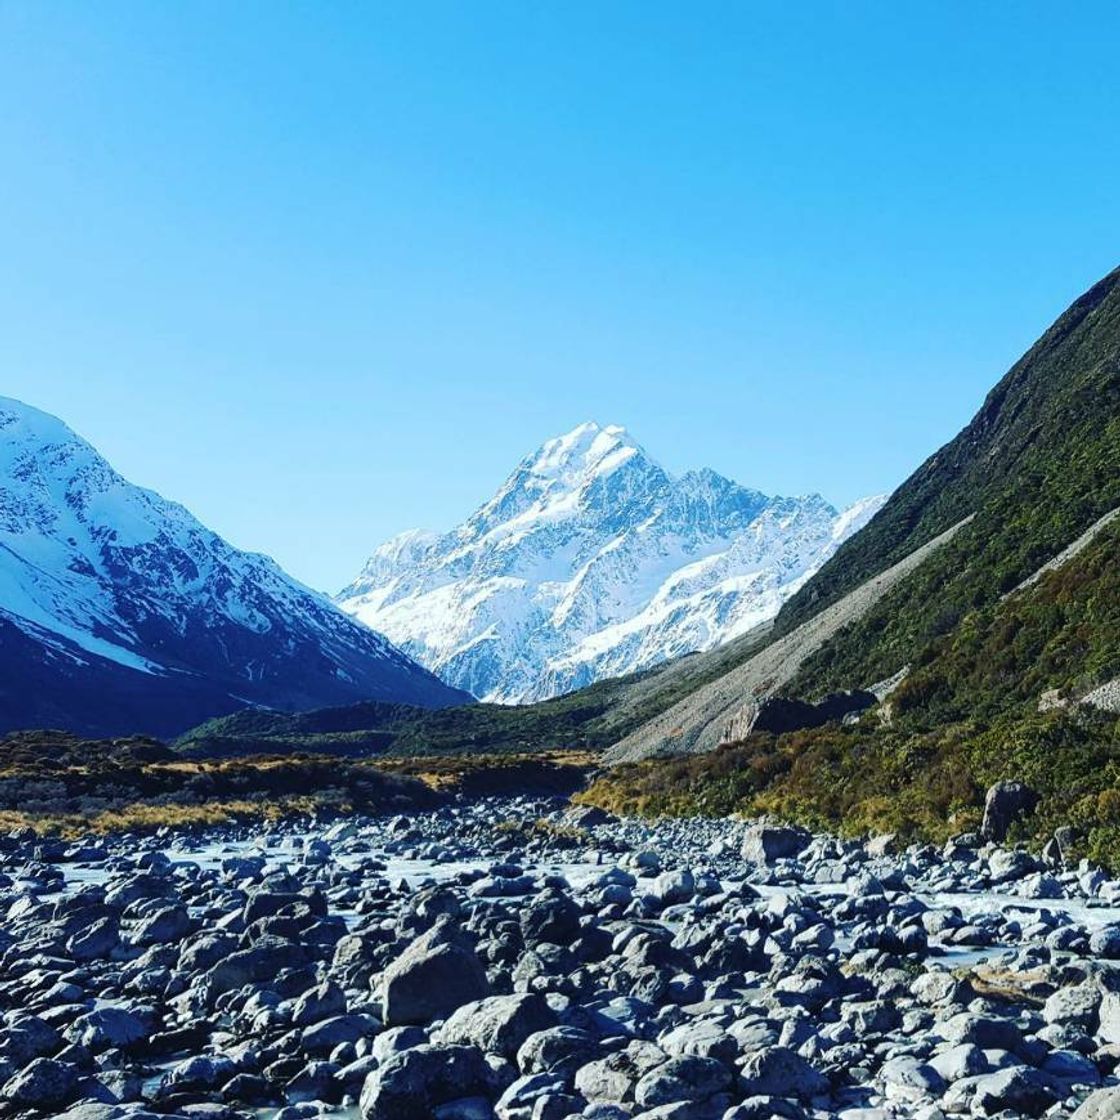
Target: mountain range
(120, 612)
(592, 561)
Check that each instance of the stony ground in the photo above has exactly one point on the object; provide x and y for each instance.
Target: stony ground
(527, 961)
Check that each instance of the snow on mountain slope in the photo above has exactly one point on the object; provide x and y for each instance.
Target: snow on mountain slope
(589, 562)
(100, 578)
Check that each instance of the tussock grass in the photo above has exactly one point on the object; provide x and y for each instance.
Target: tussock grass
(53, 782)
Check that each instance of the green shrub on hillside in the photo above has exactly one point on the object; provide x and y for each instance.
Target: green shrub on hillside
(1037, 466)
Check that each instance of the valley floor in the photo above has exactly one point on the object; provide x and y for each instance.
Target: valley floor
(525, 959)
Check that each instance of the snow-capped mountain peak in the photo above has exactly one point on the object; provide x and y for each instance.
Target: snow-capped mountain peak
(561, 479)
(591, 560)
(103, 580)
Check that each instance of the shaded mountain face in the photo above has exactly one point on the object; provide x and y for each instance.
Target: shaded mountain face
(589, 562)
(120, 612)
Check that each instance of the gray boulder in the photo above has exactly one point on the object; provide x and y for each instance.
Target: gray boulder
(411, 1084)
(552, 916)
(1108, 1013)
(701, 1038)
(202, 1071)
(44, 1084)
(95, 942)
(171, 923)
(959, 1062)
(682, 1079)
(1075, 1005)
(320, 1002)
(780, 1072)
(905, 1078)
(526, 1095)
(263, 961)
(557, 1050)
(764, 843)
(1105, 942)
(498, 1024)
(1004, 804)
(1104, 1104)
(1018, 1089)
(434, 976)
(671, 887)
(322, 1037)
(108, 1028)
(28, 1037)
(614, 1077)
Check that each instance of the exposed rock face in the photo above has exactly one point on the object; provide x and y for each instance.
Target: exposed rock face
(1106, 698)
(1004, 804)
(779, 714)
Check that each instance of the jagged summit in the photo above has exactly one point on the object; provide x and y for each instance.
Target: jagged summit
(121, 612)
(592, 560)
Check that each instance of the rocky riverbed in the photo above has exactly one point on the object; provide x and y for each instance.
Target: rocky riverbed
(528, 961)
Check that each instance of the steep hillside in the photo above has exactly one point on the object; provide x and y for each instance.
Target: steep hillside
(1013, 693)
(591, 561)
(121, 613)
(1047, 645)
(1037, 466)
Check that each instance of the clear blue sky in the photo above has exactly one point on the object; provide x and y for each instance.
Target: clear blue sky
(325, 271)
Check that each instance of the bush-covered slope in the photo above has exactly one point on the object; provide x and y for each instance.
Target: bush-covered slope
(1037, 465)
(1060, 634)
(1000, 653)
(588, 719)
(967, 716)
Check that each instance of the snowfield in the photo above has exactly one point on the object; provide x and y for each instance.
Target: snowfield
(592, 561)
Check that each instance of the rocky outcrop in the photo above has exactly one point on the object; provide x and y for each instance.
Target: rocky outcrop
(1004, 804)
(1106, 698)
(780, 714)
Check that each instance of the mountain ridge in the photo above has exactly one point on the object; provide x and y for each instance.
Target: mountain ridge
(589, 561)
(111, 582)
(1002, 645)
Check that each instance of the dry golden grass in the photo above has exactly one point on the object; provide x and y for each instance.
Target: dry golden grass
(141, 817)
(447, 772)
(120, 794)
